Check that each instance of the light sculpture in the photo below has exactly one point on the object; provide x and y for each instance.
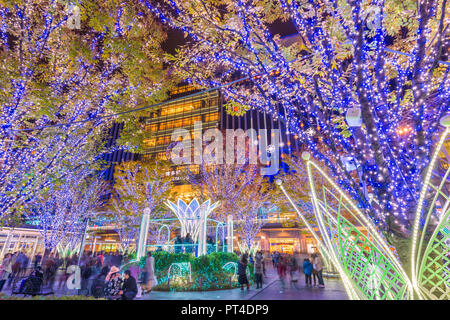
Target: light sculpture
(193, 217)
(74, 280)
(180, 270)
(232, 268)
(166, 227)
(230, 236)
(220, 227)
(360, 253)
(143, 234)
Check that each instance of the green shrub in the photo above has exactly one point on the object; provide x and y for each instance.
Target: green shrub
(50, 297)
(206, 271)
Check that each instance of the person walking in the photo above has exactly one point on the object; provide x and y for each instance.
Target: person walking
(259, 269)
(100, 258)
(281, 269)
(307, 270)
(275, 259)
(129, 286)
(292, 267)
(149, 273)
(5, 269)
(317, 270)
(15, 267)
(242, 271)
(37, 260)
(24, 260)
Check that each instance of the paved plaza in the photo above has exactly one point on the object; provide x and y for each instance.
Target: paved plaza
(273, 289)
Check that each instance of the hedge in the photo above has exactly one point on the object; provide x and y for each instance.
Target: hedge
(206, 271)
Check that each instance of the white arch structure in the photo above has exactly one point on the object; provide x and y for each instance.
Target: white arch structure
(193, 217)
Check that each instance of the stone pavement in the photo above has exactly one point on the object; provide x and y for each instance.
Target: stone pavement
(273, 289)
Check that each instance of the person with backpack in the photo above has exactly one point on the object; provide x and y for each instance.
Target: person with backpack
(307, 270)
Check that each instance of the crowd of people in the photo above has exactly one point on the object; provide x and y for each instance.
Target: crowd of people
(311, 267)
(186, 244)
(101, 276)
(284, 264)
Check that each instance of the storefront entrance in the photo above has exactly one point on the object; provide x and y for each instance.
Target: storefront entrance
(282, 245)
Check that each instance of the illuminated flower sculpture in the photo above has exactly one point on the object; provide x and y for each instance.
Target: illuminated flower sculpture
(368, 266)
(193, 217)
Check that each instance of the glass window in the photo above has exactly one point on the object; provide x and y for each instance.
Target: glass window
(150, 142)
(161, 156)
(152, 127)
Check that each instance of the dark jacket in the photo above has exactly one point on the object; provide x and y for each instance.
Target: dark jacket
(242, 273)
(129, 286)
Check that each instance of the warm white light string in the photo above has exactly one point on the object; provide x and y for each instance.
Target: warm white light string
(366, 222)
(420, 206)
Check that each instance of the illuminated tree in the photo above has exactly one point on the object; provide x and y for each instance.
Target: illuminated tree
(126, 224)
(240, 189)
(138, 186)
(296, 183)
(364, 79)
(63, 209)
(58, 82)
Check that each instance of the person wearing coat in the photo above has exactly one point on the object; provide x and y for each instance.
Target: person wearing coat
(259, 269)
(317, 270)
(129, 286)
(149, 271)
(242, 274)
(113, 283)
(307, 269)
(98, 283)
(5, 269)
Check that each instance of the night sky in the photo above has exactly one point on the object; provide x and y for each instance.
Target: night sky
(176, 38)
